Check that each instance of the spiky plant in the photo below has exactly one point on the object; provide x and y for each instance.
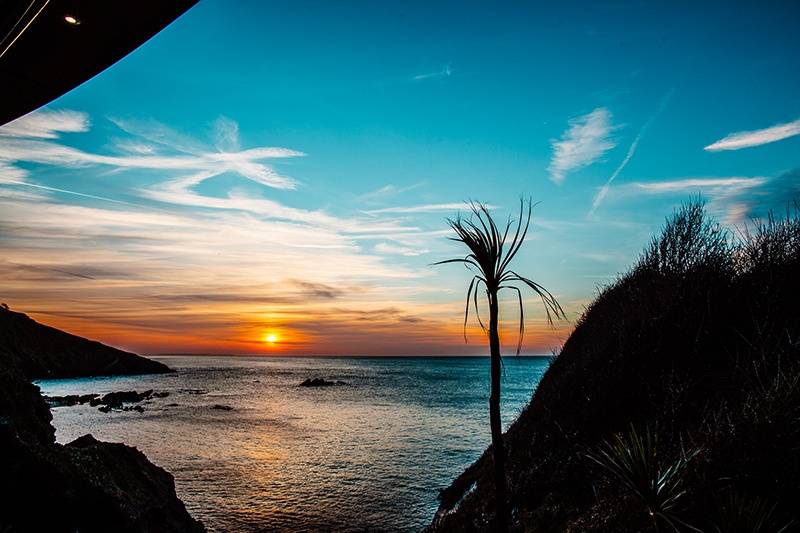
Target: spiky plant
(489, 260)
(633, 457)
(740, 513)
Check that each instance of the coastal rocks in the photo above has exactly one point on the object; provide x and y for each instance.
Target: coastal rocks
(114, 400)
(23, 413)
(108, 402)
(69, 400)
(86, 485)
(144, 493)
(320, 382)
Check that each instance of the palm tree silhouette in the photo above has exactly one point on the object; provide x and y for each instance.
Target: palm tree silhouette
(489, 260)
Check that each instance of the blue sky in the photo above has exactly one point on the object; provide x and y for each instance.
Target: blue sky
(287, 167)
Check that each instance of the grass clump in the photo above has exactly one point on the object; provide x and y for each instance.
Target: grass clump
(633, 458)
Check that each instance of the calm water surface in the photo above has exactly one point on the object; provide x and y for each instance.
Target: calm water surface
(371, 455)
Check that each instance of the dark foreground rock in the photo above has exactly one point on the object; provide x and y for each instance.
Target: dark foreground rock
(320, 382)
(42, 352)
(86, 485)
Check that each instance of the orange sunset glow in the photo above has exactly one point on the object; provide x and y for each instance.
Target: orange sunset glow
(292, 332)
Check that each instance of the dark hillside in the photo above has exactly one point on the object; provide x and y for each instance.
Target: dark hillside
(692, 360)
(42, 352)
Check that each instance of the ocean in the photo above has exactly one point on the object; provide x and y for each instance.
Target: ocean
(252, 451)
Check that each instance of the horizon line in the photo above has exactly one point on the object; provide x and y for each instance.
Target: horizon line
(331, 356)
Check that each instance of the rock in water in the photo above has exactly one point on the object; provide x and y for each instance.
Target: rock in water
(69, 400)
(114, 400)
(320, 382)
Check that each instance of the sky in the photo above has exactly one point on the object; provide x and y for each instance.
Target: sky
(275, 177)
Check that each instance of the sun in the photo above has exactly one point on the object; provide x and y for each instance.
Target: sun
(270, 337)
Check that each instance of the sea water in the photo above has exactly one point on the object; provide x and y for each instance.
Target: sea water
(252, 451)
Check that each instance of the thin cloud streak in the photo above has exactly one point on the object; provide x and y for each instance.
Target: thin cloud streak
(445, 72)
(65, 191)
(686, 185)
(747, 139)
(425, 208)
(387, 191)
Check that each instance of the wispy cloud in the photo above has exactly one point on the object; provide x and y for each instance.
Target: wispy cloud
(226, 133)
(389, 248)
(47, 124)
(388, 191)
(173, 265)
(31, 143)
(601, 194)
(690, 184)
(134, 147)
(202, 269)
(746, 139)
(445, 72)
(730, 198)
(584, 142)
(424, 208)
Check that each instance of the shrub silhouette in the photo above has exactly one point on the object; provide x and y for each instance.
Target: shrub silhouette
(700, 342)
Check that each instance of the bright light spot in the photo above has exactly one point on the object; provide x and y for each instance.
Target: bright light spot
(270, 338)
(71, 20)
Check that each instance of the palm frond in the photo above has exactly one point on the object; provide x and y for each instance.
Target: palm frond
(466, 310)
(491, 255)
(475, 300)
(521, 316)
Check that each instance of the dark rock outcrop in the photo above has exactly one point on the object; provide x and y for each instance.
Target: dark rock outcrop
(42, 352)
(320, 382)
(114, 400)
(69, 400)
(86, 485)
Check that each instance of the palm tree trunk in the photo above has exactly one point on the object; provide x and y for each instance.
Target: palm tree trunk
(498, 451)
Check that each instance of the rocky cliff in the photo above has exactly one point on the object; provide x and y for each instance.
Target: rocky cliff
(85, 485)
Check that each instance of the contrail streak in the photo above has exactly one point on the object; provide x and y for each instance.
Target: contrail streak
(601, 194)
(75, 193)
